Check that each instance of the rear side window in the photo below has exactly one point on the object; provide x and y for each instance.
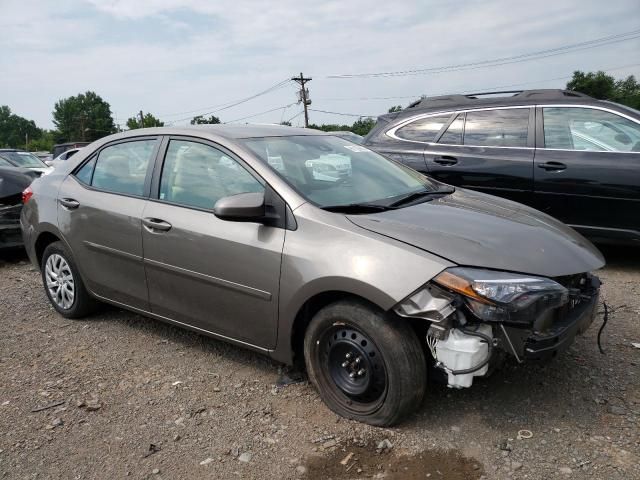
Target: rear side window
(497, 128)
(453, 134)
(198, 175)
(590, 130)
(424, 129)
(120, 168)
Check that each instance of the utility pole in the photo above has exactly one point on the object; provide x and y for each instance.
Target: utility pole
(141, 119)
(304, 96)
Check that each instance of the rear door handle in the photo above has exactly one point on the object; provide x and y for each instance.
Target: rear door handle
(445, 160)
(69, 203)
(155, 224)
(557, 166)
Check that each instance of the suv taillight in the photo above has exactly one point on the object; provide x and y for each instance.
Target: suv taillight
(27, 193)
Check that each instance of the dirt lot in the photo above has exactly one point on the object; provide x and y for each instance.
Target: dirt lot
(138, 398)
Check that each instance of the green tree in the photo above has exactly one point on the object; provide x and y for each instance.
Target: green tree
(200, 120)
(15, 130)
(395, 108)
(287, 124)
(363, 126)
(148, 121)
(44, 143)
(628, 92)
(595, 84)
(84, 117)
(605, 87)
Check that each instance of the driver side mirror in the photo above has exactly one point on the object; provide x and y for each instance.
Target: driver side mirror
(243, 207)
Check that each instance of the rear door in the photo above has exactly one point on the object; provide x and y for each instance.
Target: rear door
(411, 138)
(587, 169)
(489, 150)
(99, 213)
(219, 276)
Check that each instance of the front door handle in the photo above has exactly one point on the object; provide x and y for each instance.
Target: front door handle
(155, 224)
(552, 166)
(69, 203)
(446, 160)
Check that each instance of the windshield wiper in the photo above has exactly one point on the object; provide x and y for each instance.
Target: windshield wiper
(358, 208)
(421, 194)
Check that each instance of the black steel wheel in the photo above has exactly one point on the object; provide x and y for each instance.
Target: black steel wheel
(364, 365)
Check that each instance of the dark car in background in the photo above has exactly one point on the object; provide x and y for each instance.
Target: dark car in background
(13, 181)
(13, 157)
(561, 152)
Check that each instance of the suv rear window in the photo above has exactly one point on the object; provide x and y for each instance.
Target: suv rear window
(497, 128)
(423, 130)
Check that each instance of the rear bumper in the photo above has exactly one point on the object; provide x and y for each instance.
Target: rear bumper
(10, 235)
(558, 338)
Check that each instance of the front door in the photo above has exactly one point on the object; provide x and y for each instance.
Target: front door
(587, 170)
(218, 276)
(99, 213)
(487, 150)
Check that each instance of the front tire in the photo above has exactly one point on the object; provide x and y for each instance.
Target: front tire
(364, 365)
(63, 284)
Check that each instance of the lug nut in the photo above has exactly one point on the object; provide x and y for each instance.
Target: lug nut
(347, 356)
(358, 360)
(361, 372)
(352, 374)
(345, 364)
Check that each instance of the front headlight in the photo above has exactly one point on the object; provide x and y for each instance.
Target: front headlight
(504, 296)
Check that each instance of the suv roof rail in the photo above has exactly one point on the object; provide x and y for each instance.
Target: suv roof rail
(512, 95)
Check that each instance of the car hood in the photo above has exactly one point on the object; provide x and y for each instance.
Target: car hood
(474, 229)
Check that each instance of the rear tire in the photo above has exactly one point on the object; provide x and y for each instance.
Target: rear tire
(365, 366)
(63, 284)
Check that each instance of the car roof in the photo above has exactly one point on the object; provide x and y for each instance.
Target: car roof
(497, 99)
(232, 132)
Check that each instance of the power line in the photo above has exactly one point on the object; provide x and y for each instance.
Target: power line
(621, 37)
(284, 107)
(295, 116)
(475, 89)
(227, 105)
(344, 114)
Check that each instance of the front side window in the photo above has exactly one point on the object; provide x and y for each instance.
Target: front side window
(497, 128)
(119, 168)
(329, 171)
(570, 128)
(424, 129)
(198, 175)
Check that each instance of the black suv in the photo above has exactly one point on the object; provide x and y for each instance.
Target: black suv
(564, 153)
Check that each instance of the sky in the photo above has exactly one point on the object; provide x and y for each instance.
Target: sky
(179, 58)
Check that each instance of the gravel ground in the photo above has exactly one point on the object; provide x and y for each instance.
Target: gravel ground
(119, 395)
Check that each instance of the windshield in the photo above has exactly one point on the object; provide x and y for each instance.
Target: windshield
(331, 171)
(24, 159)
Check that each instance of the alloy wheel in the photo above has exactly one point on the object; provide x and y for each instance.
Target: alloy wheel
(60, 282)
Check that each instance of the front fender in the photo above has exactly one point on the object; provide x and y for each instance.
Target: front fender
(330, 254)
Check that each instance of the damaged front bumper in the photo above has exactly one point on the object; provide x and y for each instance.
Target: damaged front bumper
(571, 320)
(463, 344)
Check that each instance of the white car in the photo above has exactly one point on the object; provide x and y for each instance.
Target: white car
(63, 157)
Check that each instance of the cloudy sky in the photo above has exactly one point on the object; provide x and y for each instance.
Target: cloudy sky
(178, 58)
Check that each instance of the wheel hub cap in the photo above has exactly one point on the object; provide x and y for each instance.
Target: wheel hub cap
(59, 280)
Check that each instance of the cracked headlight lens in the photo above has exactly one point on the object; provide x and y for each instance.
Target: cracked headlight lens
(503, 296)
